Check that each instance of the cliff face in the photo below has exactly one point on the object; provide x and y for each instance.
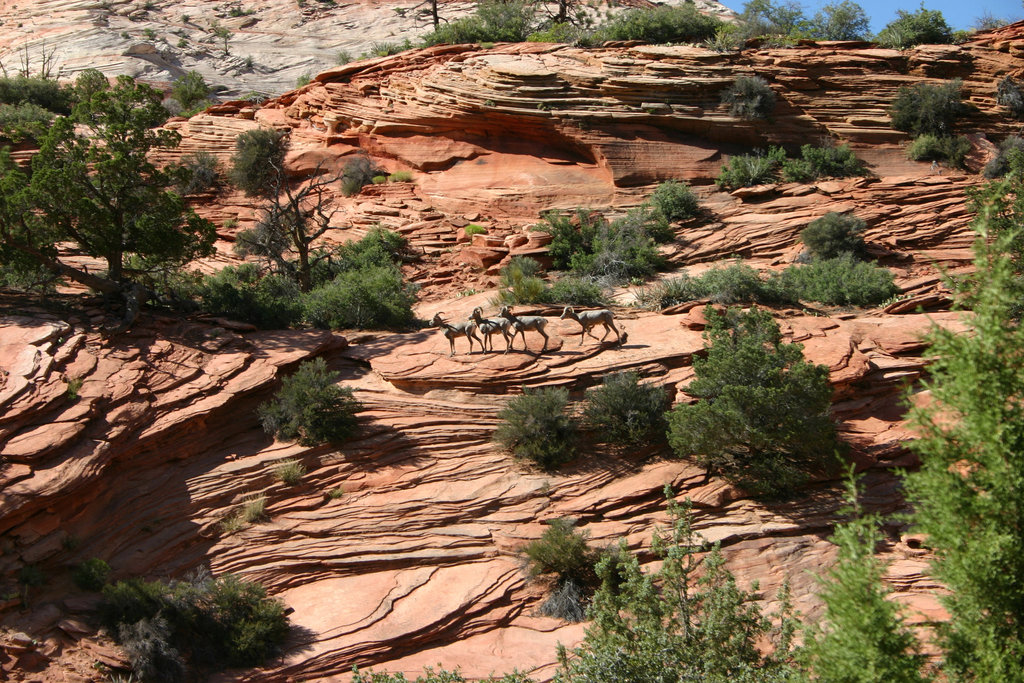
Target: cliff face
(416, 563)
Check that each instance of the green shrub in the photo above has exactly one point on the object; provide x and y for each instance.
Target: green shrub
(201, 169)
(379, 248)
(623, 411)
(519, 283)
(147, 644)
(844, 20)
(494, 21)
(400, 177)
(379, 179)
(736, 283)
(564, 32)
(675, 200)
(747, 170)
(749, 97)
(840, 281)
(1010, 158)
(358, 172)
(668, 24)
(762, 419)
(834, 234)
(242, 293)
(535, 426)
(373, 297)
(570, 235)
(310, 407)
(92, 574)
(1010, 95)
(822, 162)
(23, 121)
(951, 149)
(474, 229)
(42, 92)
(303, 79)
(915, 28)
(575, 291)
(190, 90)
(289, 471)
(258, 158)
(563, 550)
(925, 108)
(219, 622)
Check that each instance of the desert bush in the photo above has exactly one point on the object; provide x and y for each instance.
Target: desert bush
(201, 170)
(190, 90)
(23, 121)
(762, 418)
(147, 644)
(92, 574)
(400, 177)
(949, 148)
(749, 97)
(218, 622)
(575, 291)
(243, 293)
(257, 161)
(310, 407)
(474, 229)
(559, 32)
(379, 179)
(675, 200)
(1010, 158)
(1010, 95)
(373, 297)
(747, 170)
(840, 281)
(380, 247)
(735, 283)
(925, 108)
(915, 28)
(668, 24)
(565, 602)
(822, 162)
(519, 283)
(564, 551)
(623, 411)
(834, 234)
(42, 92)
(289, 471)
(357, 173)
(493, 22)
(535, 426)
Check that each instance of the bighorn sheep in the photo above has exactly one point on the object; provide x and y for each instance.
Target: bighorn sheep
(590, 319)
(521, 324)
(491, 326)
(451, 331)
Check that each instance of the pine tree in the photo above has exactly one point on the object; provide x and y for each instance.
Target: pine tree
(969, 491)
(865, 639)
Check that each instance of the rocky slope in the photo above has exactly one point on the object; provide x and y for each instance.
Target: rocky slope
(417, 563)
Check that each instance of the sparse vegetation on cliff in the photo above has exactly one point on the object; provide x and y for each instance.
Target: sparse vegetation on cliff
(311, 407)
(536, 427)
(624, 411)
(762, 415)
(206, 622)
(833, 235)
(749, 97)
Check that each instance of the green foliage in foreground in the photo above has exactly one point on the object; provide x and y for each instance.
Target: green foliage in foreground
(216, 622)
(564, 551)
(864, 638)
(926, 108)
(841, 281)
(670, 626)
(968, 494)
(762, 418)
(535, 426)
(623, 411)
(311, 408)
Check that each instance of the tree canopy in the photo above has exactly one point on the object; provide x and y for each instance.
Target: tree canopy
(93, 185)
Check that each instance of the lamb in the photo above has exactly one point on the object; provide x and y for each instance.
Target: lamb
(521, 324)
(451, 331)
(490, 326)
(590, 319)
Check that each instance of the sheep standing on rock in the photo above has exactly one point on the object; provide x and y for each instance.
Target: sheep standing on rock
(488, 327)
(522, 323)
(590, 319)
(451, 331)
